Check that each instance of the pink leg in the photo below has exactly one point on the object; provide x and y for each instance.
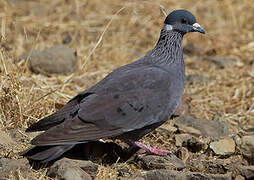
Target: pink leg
(151, 149)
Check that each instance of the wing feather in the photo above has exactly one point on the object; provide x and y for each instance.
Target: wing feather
(132, 101)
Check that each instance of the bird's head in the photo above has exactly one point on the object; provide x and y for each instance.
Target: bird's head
(183, 22)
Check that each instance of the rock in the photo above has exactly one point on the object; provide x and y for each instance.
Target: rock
(224, 62)
(34, 8)
(166, 128)
(247, 171)
(206, 162)
(90, 168)
(132, 178)
(5, 139)
(71, 173)
(223, 147)
(208, 128)
(192, 50)
(67, 39)
(183, 154)
(58, 59)
(238, 140)
(159, 162)
(176, 175)
(13, 167)
(247, 144)
(164, 174)
(249, 128)
(196, 79)
(195, 145)
(183, 107)
(181, 138)
(250, 46)
(122, 169)
(246, 147)
(201, 176)
(239, 177)
(190, 142)
(73, 170)
(189, 130)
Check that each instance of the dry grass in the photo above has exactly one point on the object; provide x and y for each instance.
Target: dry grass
(109, 34)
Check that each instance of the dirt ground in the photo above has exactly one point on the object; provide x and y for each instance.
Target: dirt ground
(108, 34)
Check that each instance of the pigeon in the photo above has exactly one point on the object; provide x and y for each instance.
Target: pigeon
(128, 103)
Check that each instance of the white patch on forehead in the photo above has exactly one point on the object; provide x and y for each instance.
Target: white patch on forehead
(168, 27)
(196, 25)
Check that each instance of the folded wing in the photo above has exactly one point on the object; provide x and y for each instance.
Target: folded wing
(133, 101)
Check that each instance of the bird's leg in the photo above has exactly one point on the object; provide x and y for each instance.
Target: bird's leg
(149, 149)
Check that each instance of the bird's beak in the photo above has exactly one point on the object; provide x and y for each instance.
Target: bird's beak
(198, 28)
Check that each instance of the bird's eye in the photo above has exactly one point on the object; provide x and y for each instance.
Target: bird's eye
(184, 21)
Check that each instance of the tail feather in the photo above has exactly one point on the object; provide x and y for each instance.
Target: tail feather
(46, 153)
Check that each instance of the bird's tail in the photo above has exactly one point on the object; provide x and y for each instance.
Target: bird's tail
(45, 154)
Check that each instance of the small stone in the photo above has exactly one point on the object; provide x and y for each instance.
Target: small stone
(164, 174)
(189, 130)
(223, 147)
(90, 168)
(74, 174)
(190, 142)
(247, 171)
(181, 138)
(249, 128)
(13, 166)
(183, 107)
(224, 62)
(179, 175)
(251, 46)
(238, 140)
(196, 79)
(167, 128)
(58, 59)
(67, 39)
(72, 169)
(132, 178)
(247, 146)
(122, 170)
(239, 177)
(159, 162)
(5, 139)
(201, 176)
(183, 154)
(208, 128)
(195, 145)
(248, 141)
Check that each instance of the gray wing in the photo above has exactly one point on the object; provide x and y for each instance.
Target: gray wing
(59, 116)
(62, 114)
(72, 106)
(130, 101)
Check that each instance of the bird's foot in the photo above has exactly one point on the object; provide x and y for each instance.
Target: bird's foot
(151, 150)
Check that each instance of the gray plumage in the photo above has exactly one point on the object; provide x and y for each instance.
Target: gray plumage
(130, 102)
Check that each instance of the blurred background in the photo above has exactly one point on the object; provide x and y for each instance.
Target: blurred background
(99, 36)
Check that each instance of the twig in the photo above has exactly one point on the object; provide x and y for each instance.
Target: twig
(101, 37)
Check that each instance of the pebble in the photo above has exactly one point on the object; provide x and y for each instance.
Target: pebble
(223, 147)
